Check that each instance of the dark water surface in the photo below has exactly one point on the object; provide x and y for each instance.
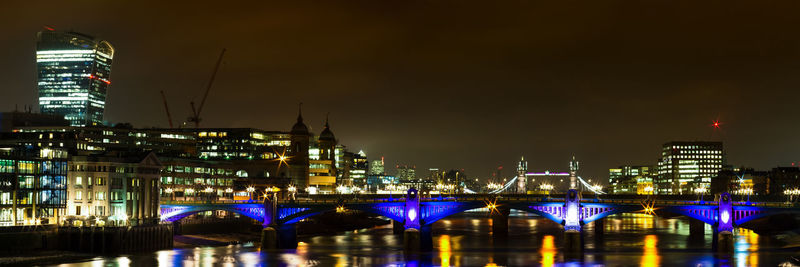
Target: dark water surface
(466, 240)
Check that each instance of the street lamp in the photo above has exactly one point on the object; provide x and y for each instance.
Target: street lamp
(792, 193)
(700, 191)
(250, 191)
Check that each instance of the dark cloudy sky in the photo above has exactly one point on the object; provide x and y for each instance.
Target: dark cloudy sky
(451, 84)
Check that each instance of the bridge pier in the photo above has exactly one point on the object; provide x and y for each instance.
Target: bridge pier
(725, 242)
(397, 227)
(725, 224)
(269, 238)
(500, 221)
(279, 237)
(573, 241)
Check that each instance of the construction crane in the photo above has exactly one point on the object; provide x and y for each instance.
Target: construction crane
(166, 107)
(196, 112)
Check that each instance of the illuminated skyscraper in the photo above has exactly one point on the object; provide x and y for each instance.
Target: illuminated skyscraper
(73, 72)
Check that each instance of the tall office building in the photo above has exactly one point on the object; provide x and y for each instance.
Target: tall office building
(687, 166)
(73, 75)
(406, 172)
(376, 167)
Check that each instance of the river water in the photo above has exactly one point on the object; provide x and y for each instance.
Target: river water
(466, 240)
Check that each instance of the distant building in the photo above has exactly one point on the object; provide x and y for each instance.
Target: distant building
(406, 172)
(33, 186)
(686, 166)
(743, 181)
(11, 120)
(237, 143)
(631, 180)
(73, 76)
(355, 168)
(101, 140)
(376, 167)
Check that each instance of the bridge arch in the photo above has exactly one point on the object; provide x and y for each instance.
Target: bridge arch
(171, 213)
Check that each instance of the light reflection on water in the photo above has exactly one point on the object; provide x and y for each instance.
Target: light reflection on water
(467, 241)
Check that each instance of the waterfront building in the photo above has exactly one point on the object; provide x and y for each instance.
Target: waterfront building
(322, 160)
(380, 182)
(33, 185)
(686, 167)
(73, 76)
(631, 180)
(120, 189)
(185, 179)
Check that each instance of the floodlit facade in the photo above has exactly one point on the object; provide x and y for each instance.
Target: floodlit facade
(687, 167)
(73, 76)
(105, 190)
(631, 180)
(33, 186)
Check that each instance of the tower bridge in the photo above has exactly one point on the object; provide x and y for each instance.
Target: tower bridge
(416, 213)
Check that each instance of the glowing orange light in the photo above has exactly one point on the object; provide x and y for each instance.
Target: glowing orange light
(716, 124)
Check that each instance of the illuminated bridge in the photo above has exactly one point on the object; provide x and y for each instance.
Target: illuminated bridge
(416, 214)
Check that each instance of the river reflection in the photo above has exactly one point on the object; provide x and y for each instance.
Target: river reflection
(466, 240)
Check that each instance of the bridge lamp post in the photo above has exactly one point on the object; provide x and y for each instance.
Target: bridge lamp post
(189, 191)
(700, 191)
(170, 193)
(291, 190)
(208, 191)
(648, 190)
(250, 191)
(792, 193)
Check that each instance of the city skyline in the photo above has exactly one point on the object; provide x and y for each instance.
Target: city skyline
(534, 91)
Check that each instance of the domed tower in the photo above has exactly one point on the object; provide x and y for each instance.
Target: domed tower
(327, 143)
(298, 152)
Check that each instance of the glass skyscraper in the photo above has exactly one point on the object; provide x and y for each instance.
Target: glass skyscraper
(73, 76)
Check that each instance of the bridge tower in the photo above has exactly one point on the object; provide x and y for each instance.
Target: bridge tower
(724, 225)
(416, 237)
(572, 221)
(522, 180)
(275, 235)
(573, 173)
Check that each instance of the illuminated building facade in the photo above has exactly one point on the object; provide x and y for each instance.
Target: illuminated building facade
(73, 76)
(33, 186)
(201, 180)
(322, 160)
(376, 167)
(686, 166)
(357, 169)
(405, 172)
(631, 180)
(237, 143)
(101, 140)
(113, 190)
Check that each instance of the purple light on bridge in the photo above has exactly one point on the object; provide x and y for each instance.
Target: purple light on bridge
(412, 209)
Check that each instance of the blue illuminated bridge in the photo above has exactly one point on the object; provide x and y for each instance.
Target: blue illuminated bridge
(416, 214)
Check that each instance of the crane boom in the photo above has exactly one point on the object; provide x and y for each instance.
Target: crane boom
(196, 112)
(166, 107)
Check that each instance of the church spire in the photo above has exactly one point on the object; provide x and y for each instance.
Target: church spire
(300, 112)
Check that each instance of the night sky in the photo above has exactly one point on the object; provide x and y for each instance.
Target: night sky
(451, 84)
